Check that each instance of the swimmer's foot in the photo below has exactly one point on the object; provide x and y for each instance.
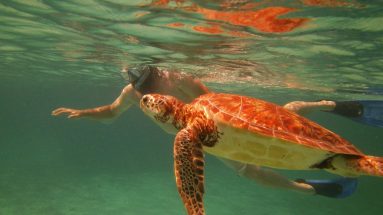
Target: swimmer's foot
(333, 188)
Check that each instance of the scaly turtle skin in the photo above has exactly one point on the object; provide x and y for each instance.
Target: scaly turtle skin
(251, 131)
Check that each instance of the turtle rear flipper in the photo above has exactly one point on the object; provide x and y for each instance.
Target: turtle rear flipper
(355, 165)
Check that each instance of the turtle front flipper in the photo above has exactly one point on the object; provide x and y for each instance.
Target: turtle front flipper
(189, 167)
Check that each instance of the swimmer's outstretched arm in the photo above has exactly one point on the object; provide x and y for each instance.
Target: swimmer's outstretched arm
(302, 107)
(105, 113)
(368, 112)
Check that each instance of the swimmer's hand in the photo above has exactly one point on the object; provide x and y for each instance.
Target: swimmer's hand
(72, 113)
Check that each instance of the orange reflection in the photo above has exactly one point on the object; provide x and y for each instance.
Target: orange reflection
(240, 34)
(213, 29)
(166, 2)
(329, 3)
(265, 20)
(232, 4)
(176, 24)
(140, 14)
(161, 2)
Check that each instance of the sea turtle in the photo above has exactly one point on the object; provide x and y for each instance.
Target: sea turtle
(251, 131)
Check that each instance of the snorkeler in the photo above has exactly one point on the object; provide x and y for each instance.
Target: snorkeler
(145, 79)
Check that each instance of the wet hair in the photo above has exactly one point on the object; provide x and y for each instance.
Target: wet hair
(143, 78)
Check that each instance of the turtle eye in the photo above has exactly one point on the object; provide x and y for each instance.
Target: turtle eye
(145, 99)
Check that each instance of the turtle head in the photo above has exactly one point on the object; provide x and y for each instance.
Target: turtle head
(159, 107)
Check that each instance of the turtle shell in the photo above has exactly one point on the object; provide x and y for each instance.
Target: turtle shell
(271, 120)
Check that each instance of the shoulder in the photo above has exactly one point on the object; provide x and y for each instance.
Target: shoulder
(127, 89)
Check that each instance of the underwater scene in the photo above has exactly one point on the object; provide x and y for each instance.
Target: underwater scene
(73, 54)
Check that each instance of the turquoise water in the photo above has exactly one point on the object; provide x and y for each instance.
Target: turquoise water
(69, 53)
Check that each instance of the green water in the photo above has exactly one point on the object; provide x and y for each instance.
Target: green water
(69, 53)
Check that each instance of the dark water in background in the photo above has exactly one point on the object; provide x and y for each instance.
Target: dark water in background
(67, 53)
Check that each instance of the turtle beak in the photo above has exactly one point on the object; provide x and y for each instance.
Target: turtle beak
(148, 105)
(156, 106)
(152, 105)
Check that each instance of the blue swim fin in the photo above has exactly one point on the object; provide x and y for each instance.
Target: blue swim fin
(333, 188)
(365, 111)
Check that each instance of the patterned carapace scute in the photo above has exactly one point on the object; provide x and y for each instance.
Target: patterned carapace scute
(273, 121)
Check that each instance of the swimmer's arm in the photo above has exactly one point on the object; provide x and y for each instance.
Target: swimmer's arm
(302, 107)
(114, 110)
(104, 113)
